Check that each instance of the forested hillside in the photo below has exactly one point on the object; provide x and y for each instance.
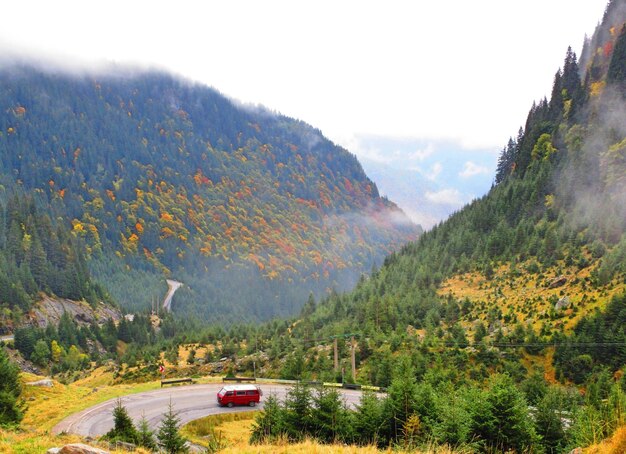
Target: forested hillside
(558, 206)
(163, 178)
(38, 256)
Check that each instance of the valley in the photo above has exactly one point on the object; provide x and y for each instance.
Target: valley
(155, 232)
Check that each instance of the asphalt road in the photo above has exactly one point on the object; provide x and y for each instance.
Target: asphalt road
(172, 287)
(190, 402)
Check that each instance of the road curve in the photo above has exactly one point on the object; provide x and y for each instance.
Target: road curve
(172, 287)
(190, 402)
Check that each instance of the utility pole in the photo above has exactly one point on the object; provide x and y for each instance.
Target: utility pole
(353, 360)
(336, 356)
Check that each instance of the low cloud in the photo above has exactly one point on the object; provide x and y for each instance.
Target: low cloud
(471, 169)
(448, 196)
(434, 172)
(422, 153)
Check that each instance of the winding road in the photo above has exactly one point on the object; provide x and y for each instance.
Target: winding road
(172, 287)
(190, 402)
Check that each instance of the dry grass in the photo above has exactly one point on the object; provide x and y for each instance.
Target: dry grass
(614, 445)
(38, 442)
(526, 295)
(233, 430)
(312, 447)
(48, 406)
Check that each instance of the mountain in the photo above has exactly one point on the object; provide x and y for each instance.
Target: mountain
(160, 177)
(529, 264)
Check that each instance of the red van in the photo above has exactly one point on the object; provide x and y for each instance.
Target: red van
(239, 395)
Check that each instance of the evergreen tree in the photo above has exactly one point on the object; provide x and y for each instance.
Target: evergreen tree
(145, 436)
(617, 68)
(11, 407)
(168, 434)
(501, 419)
(297, 414)
(123, 427)
(329, 417)
(401, 400)
(368, 419)
(268, 424)
(549, 422)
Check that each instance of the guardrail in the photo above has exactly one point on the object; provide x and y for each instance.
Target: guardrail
(171, 381)
(239, 379)
(352, 386)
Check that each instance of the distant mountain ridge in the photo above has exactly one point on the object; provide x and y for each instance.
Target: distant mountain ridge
(163, 177)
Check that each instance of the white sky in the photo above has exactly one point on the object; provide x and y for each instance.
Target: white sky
(461, 70)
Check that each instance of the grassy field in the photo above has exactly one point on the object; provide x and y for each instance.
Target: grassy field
(525, 295)
(232, 431)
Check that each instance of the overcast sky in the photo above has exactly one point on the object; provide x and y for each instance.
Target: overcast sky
(419, 73)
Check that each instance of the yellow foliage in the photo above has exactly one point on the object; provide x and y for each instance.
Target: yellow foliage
(78, 227)
(597, 88)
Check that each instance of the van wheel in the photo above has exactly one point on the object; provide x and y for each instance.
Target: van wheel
(252, 403)
(229, 404)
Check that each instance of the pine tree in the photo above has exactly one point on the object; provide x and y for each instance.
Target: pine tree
(617, 68)
(123, 427)
(401, 398)
(268, 423)
(11, 407)
(500, 417)
(329, 417)
(145, 436)
(298, 412)
(168, 435)
(368, 419)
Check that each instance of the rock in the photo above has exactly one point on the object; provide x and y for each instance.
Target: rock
(53, 451)
(80, 448)
(193, 448)
(576, 451)
(558, 282)
(563, 303)
(125, 446)
(45, 382)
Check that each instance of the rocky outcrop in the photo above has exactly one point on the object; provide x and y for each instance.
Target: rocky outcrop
(50, 310)
(76, 448)
(558, 282)
(563, 303)
(46, 382)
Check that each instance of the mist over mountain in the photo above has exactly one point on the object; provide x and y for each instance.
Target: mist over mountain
(537, 258)
(164, 178)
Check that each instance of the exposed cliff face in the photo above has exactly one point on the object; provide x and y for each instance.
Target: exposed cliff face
(49, 310)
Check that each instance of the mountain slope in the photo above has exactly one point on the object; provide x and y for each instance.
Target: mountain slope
(250, 209)
(543, 250)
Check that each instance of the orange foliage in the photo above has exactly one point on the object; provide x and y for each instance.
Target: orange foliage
(110, 194)
(62, 193)
(133, 238)
(139, 228)
(257, 260)
(51, 183)
(608, 48)
(166, 232)
(19, 111)
(165, 216)
(317, 257)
